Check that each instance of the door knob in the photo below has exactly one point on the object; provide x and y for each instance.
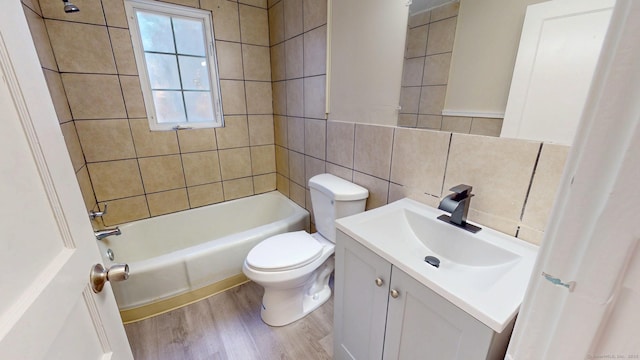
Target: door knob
(394, 293)
(99, 275)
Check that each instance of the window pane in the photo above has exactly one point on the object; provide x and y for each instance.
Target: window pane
(199, 106)
(163, 71)
(169, 106)
(189, 36)
(194, 73)
(155, 31)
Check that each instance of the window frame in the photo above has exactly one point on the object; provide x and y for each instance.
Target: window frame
(172, 10)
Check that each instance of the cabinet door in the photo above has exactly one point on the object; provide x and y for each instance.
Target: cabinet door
(360, 302)
(423, 325)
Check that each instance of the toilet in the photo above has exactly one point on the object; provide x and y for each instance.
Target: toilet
(294, 268)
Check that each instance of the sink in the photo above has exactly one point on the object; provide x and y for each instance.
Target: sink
(484, 274)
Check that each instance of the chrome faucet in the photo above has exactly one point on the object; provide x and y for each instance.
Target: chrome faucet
(101, 234)
(457, 204)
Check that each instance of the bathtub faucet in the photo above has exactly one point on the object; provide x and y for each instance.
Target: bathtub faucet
(101, 234)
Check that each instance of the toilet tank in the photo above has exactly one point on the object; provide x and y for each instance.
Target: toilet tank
(333, 198)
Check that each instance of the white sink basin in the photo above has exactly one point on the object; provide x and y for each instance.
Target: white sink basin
(484, 274)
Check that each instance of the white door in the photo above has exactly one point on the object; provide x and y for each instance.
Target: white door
(47, 247)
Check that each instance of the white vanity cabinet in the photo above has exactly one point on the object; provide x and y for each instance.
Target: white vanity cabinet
(380, 312)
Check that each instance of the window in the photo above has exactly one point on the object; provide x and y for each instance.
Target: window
(175, 53)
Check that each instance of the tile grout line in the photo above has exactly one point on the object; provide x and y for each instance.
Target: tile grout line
(533, 173)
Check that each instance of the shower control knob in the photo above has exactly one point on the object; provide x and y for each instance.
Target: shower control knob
(379, 282)
(99, 275)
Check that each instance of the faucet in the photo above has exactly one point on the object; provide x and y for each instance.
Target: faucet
(101, 234)
(457, 204)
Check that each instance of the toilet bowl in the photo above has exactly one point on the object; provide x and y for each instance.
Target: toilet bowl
(294, 268)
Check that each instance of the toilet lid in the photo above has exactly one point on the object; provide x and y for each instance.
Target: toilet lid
(284, 252)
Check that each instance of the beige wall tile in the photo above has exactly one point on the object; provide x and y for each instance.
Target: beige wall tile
(73, 145)
(456, 124)
(58, 96)
(234, 189)
(432, 100)
(168, 202)
(114, 13)
(430, 122)
(315, 135)
(296, 134)
(197, 140)
(314, 13)
(40, 39)
(545, 185)
(115, 179)
(235, 163)
(126, 210)
(419, 159)
(340, 143)
(436, 69)
(486, 126)
(258, 3)
(94, 96)
(315, 51)
(294, 57)
(104, 140)
(412, 71)
(505, 225)
(279, 97)
(280, 130)
(292, 18)
(189, 3)
(278, 61)
(264, 183)
(254, 25)
(373, 150)
(207, 194)
(263, 159)
(409, 100)
(132, 93)
(339, 171)
(225, 19)
(295, 99)
(282, 184)
(257, 63)
(229, 60)
(315, 97)
(445, 11)
(161, 173)
(235, 133)
(33, 5)
(298, 194)
(296, 168)
(91, 12)
(499, 170)
(259, 99)
(441, 35)
(312, 167)
(408, 120)
(422, 18)
(81, 47)
(123, 51)
(282, 161)
(86, 189)
(417, 41)
(261, 130)
(276, 23)
(378, 189)
(152, 143)
(530, 235)
(233, 97)
(201, 167)
(397, 192)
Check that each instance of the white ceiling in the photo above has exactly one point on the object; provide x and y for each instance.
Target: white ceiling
(423, 5)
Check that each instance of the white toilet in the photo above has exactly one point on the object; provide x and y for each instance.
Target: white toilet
(294, 268)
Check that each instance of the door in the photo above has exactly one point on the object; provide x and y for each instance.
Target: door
(47, 247)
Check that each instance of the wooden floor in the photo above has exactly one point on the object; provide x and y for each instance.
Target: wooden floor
(228, 326)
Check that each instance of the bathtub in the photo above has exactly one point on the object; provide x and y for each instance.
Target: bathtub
(180, 258)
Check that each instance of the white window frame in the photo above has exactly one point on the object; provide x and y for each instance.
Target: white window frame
(131, 7)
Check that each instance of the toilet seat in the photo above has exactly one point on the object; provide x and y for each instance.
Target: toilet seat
(284, 252)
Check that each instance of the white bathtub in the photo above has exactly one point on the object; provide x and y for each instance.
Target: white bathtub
(182, 252)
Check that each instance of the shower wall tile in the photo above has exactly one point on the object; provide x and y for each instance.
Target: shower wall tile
(41, 39)
(340, 143)
(123, 51)
(234, 134)
(229, 60)
(233, 97)
(292, 18)
(114, 13)
(296, 168)
(58, 96)
(258, 3)
(225, 19)
(280, 130)
(282, 161)
(445, 11)
(264, 183)
(294, 57)
(152, 143)
(298, 194)
(276, 23)
(161, 173)
(278, 69)
(93, 96)
(295, 128)
(207, 194)
(72, 141)
(256, 60)
(34, 5)
(86, 189)
(197, 140)
(201, 167)
(295, 98)
(314, 13)
(315, 97)
(168, 202)
(441, 35)
(263, 159)
(315, 138)
(282, 184)
(238, 188)
(254, 25)
(259, 99)
(235, 163)
(104, 140)
(115, 179)
(125, 210)
(261, 130)
(91, 12)
(132, 93)
(279, 97)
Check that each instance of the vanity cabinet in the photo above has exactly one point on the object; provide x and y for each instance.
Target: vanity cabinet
(380, 312)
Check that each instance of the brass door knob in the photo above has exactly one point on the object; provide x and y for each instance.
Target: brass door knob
(99, 275)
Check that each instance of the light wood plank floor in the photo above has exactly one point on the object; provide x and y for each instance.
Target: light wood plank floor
(228, 326)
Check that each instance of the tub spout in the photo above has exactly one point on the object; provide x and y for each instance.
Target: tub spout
(101, 234)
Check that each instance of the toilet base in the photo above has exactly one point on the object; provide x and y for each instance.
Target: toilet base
(284, 306)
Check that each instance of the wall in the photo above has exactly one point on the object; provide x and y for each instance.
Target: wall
(88, 60)
(427, 59)
(514, 180)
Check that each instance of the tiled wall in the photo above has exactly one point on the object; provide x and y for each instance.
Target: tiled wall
(93, 78)
(514, 181)
(430, 37)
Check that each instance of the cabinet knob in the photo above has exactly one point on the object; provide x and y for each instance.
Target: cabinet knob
(379, 282)
(394, 293)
